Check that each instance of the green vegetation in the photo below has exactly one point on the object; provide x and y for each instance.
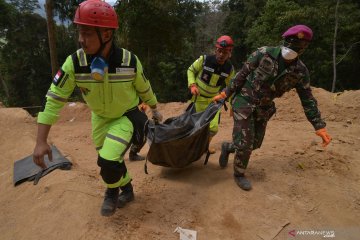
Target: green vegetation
(168, 35)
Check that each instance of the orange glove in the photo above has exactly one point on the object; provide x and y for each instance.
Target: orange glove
(143, 107)
(219, 97)
(324, 135)
(194, 89)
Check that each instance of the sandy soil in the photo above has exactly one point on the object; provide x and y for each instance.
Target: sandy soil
(297, 185)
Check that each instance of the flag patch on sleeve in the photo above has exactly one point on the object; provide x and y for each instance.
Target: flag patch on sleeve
(58, 77)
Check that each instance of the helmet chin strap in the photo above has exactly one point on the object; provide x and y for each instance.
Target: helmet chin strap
(102, 44)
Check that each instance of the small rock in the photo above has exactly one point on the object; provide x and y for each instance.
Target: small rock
(299, 151)
(332, 117)
(319, 149)
(46, 189)
(301, 166)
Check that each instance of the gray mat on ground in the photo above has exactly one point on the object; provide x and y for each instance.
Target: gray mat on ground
(26, 170)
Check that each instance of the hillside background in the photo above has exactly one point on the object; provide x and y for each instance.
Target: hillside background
(168, 35)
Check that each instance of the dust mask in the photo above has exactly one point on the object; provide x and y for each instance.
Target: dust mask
(98, 68)
(288, 54)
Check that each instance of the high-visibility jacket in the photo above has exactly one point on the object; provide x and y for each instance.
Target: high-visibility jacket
(210, 76)
(119, 91)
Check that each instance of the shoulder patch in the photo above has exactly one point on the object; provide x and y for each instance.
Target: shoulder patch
(58, 77)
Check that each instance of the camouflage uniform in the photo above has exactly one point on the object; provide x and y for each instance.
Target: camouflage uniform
(264, 77)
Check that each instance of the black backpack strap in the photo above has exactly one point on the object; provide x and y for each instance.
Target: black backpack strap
(207, 156)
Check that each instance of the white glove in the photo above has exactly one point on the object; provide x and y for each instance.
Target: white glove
(156, 115)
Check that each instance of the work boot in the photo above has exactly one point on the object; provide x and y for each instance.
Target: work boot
(133, 156)
(226, 149)
(211, 150)
(109, 205)
(243, 182)
(126, 195)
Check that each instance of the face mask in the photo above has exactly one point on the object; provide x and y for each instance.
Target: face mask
(296, 45)
(288, 54)
(98, 68)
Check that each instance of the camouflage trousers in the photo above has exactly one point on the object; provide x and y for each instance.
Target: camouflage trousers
(248, 133)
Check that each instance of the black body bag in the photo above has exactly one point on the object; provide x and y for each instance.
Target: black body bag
(181, 140)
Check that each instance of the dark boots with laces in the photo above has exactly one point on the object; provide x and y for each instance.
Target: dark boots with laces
(110, 203)
(126, 195)
(113, 199)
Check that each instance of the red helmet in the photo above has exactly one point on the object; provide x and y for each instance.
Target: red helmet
(96, 13)
(225, 42)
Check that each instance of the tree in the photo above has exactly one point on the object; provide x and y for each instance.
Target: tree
(7, 19)
(241, 17)
(277, 15)
(334, 44)
(209, 26)
(160, 32)
(26, 53)
(347, 46)
(49, 5)
(25, 6)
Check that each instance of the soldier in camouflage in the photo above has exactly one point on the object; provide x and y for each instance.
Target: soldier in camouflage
(268, 73)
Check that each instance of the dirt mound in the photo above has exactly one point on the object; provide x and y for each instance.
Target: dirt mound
(297, 184)
(75, 111)
(17, 128)
(340, 107)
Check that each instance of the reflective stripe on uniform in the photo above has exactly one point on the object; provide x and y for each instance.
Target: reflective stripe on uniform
(121, 77)
(143, 92)
(118, 139)
(126, 58)
(207, 89)
(84, 76)
(82, 57)
(209, 69)
(56, 97)
(125, 70)
(224, 74)
(122, 182)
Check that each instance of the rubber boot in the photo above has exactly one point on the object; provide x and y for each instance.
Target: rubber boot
(133, 156)
(126, 195)
(212, 150)
(242, 182)
(109, 205)
(226, 149)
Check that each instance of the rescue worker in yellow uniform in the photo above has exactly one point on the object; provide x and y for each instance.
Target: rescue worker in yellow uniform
(208, 75)
(111, 80)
